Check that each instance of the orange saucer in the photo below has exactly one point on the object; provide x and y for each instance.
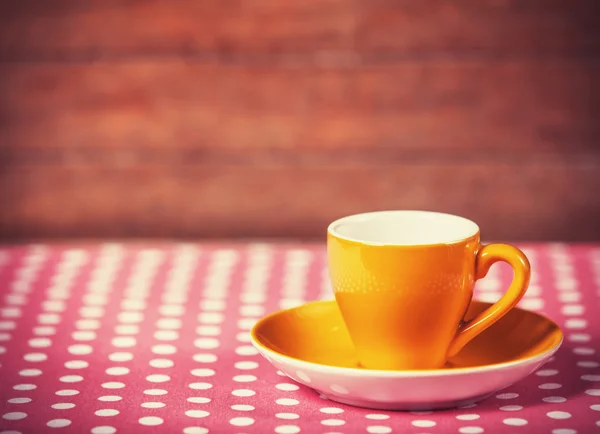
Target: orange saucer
(311, 345)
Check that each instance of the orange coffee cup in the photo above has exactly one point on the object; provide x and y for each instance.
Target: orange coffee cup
(403, 281)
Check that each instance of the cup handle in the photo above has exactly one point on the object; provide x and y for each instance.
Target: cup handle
(486, 257)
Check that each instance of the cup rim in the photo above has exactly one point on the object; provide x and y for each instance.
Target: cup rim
(331, 228)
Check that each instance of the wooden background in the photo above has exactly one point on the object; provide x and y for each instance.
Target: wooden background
(269, 118)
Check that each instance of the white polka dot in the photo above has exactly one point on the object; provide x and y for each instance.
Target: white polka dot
(7, 325)
(242, 407)
(120, 357)
(14, 415)
(579, 337)
(123, 341)
(379, 429)
(155, 392)
(205, 358)
(573, 309)
(593, 392)
(575, 323)
(246, 365)
(171, 310)
(532, 303)
(511, 408)
(514, 421)
(127, 329)
(4, 337)
(110, 398)
(206, 343)
(58, 423)
(287, 429)
(590, 377)
(63, 405)
(24, 386)
(243, 392)
(208, 330)
(161, 363)
(80, 349)
(130, 317)
(113, 385)
(195, 430)
(44, 331)
(153, 404)
(246, 350)
(203, 372)
(243, 337)
(67, 392)
(211, 317)
(95, 299)
(91, 312)
(252, 310)
(331, 410)
(546, 372)
(166, 335)
(200, 386)
(288, 387)
(244, 378)
(150, 420)
(198, 400)
(158, 378)
(554, 399)
(339, 389)
(133, 304)
(71, 378)
(558, 415)
(595, 407)
(333, 422)
(550, 386)
(117, 370)
(287, 416)
(164, 349)
(2, 350)
(10, 312)
(30, 372)
(168, 323)
(104, 430)
(76, 364)
(588, 364)
(468, 416)
(564, 431)
(53, 305)
(19, 400)
(287, 401)
(40, 342)
(35, 357)
(377, 416)
(49, 318)
(470, 430)
(87, 324)
(197, 413)
(241, 421)
(212, 305)
(247, 323)
(423, 423)
(584, 351)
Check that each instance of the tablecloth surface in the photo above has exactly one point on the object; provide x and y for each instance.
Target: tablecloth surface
(153, 337)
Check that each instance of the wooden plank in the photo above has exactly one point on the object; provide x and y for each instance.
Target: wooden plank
(469, 108)
(99, 28)
(509, 201)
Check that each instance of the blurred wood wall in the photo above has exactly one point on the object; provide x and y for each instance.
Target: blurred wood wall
(269, 118)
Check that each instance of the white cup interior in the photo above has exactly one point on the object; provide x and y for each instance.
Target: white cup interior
(403, 228)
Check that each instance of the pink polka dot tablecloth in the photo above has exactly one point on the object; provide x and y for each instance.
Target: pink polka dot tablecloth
(142, 338)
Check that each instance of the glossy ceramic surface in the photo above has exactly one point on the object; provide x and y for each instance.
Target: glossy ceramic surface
(311, 345)
(403, 281)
